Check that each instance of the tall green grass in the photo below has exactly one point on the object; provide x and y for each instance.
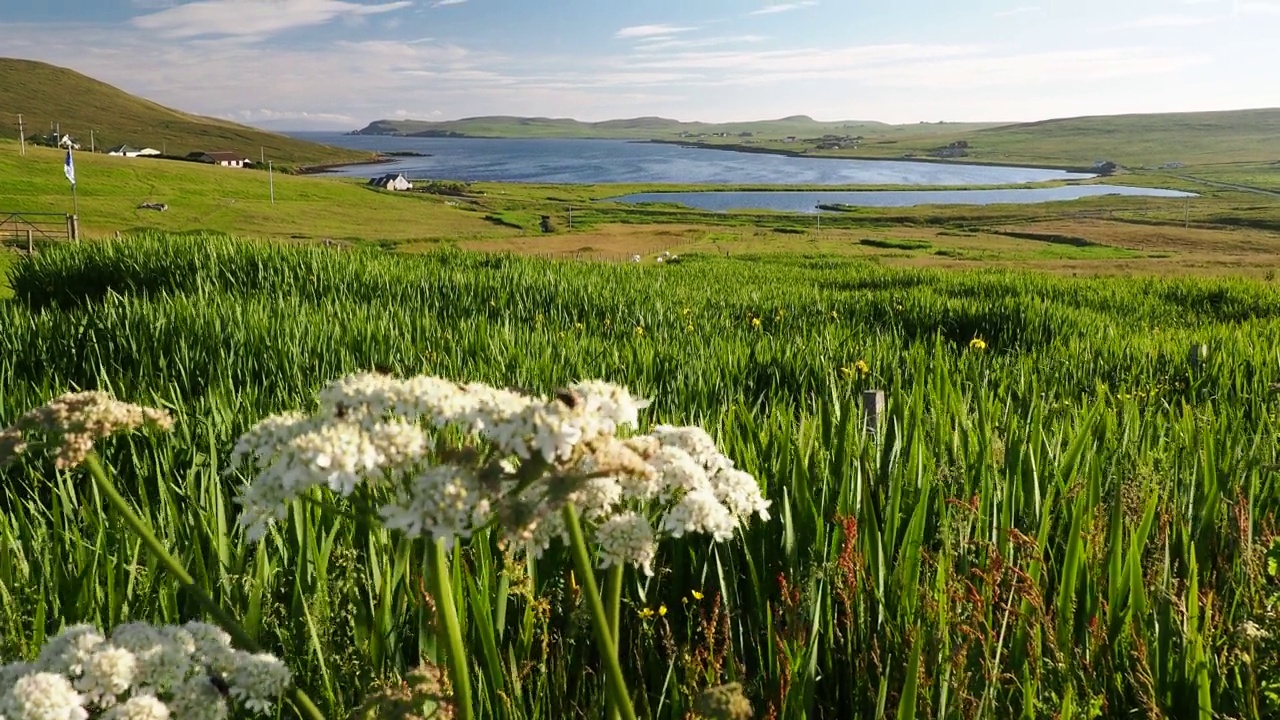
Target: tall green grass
(1074, 522)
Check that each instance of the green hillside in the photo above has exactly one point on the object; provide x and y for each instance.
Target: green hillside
(203, 197)
(643, 128)
(1153, 139)
(46, 94)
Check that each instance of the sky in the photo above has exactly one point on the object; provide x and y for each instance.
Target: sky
(339, 64)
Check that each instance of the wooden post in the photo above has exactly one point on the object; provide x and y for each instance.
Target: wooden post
(872, 409)
(30, 246)
(1197, 356)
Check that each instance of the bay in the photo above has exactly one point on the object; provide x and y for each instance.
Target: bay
(807, 202)
(620, 161)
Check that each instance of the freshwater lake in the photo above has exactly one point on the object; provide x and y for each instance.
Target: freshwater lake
(573, 161)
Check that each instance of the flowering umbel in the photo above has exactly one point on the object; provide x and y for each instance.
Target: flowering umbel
(522, 459)
(71, 424)
(141, 672)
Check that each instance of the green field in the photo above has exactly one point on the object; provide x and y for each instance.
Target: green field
(46, 95)
(202, 197)
(1076, 521)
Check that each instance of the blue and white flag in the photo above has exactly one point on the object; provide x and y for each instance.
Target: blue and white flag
(70, 169)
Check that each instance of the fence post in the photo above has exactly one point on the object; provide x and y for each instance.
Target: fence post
(75, 227)
(1197, 355)
(872, 409)
(30, 245)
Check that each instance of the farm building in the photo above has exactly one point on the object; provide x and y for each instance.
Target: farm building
(131, 151)
(392, 181)
(225, 159)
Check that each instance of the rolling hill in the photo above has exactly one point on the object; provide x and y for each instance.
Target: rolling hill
(1197, 138)
(46, 94)
(641, 128)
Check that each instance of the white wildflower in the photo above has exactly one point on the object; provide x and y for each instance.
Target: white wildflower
(264, 439)
(162, 658)
(612, 404)
(198, 699)
(627, 538)
(699, 511)
(1252, 632)
(680, 472)
(597, 497)
(66, 652)
(42, 696)
(693, 440)
(10, 673)
(740, 493)
(443, 502)
(139, 707)
(108, 674)
(212, 646)
(258, 681)
(338, 455)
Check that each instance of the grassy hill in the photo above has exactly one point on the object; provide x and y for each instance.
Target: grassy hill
(1150, 140)
(1194, 139)
(46, 94)
(642, 128)
(203, 197)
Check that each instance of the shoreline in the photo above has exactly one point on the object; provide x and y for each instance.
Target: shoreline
(737, 147)
(378, 159)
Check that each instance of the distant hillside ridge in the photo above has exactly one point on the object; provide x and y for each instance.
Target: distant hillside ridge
(51, 96)
(639, 128)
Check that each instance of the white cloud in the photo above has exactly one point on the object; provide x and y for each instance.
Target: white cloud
(445, 3)
(783, 7)
(647, 31)
(1024, 10)
(1258, 8)
(663, 42)
(1170, 21)
(253, 18)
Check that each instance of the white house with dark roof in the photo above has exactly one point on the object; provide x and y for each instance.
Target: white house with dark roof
(392, 181)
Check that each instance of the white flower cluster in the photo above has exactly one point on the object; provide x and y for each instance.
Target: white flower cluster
(526, 457)
(142, 672)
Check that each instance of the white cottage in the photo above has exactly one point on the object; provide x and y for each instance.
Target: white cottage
(392, 181)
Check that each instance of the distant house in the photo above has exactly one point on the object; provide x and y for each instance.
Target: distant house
(1105, 167)
(225, 159)
(131, 151)
(1172, 166)
(790, 138)
(392, 181)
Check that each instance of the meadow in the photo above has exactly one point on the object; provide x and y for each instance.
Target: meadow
(1061, 513)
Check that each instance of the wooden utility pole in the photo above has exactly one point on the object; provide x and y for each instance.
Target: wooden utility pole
(92, 146)
(271, 181)
(22, 136)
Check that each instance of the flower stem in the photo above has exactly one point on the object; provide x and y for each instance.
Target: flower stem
(305, 706)
(616, 686)
(612, 609)
(450, 631)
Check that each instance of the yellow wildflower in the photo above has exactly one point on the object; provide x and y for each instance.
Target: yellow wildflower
(697, 595)
(688, 328)
(645, 613)
(755, 323)
(662, 610)
(977, 344)
(639, 331)
(579, 327)
(835, 315)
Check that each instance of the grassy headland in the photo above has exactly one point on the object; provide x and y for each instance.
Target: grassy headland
(46, 94)
(1150, 140)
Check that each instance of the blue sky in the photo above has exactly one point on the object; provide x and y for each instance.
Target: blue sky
(339, 64)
